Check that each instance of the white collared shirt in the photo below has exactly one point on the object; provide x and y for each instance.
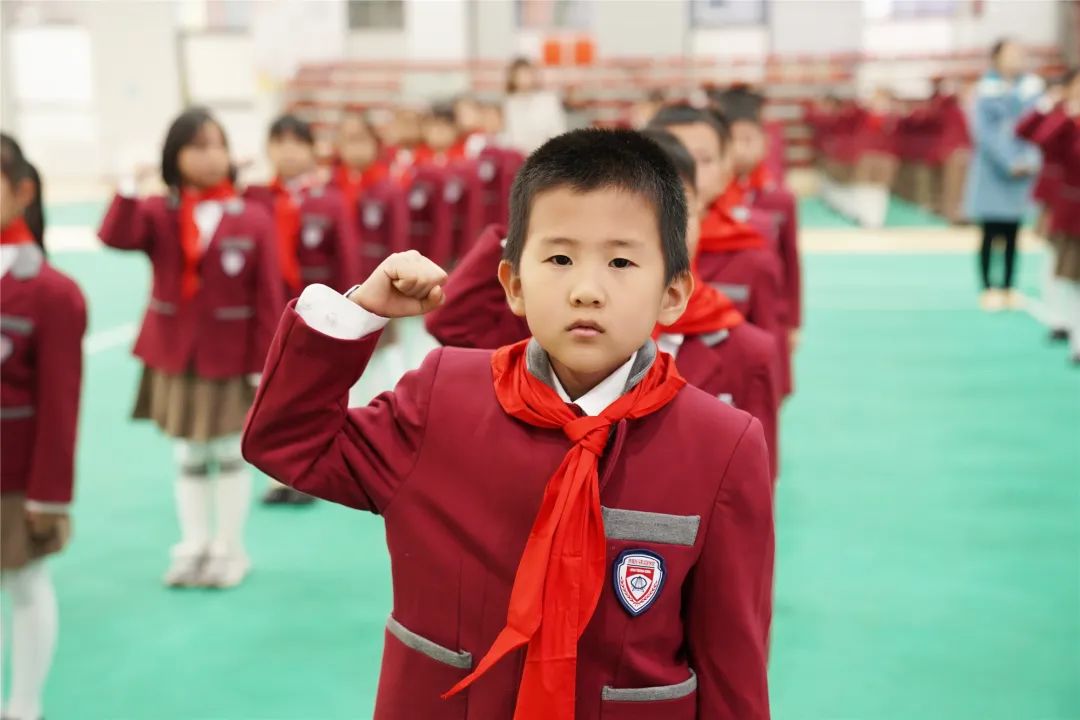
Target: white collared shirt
(606, 392)
(8, 253)
(670, 343)
(329, 312)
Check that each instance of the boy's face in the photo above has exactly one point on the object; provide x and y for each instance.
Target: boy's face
(591, 281)
(714, 164)
(439, 134)
(747, 146)
(291, 156)
(356, 146)
(468, 116)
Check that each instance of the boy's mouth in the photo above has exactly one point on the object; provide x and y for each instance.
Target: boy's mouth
(584, 328)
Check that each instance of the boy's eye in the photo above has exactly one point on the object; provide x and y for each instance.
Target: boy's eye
(560, 260)
(621, 263)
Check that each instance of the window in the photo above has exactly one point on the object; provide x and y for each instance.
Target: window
(719, 13)
(908, 9)
(376, 14)
(553, 14)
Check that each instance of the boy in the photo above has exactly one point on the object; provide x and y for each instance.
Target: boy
(315, 232)
(755, 187)
(444, 226)
(631, 587)
(440, 136)
(733, 255)
(317, 240)
(716, 350)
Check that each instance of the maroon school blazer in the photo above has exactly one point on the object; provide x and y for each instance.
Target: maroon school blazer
(42, 322)
(458, 483)
(225, 330)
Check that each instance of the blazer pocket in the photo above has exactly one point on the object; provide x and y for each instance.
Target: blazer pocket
(415, 673)
(641, 526)
(665, 702)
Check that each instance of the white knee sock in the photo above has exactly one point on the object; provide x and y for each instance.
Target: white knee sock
(1053, 295)
(1070, 293)
(194, 499)
(35, 622)
(232, 497)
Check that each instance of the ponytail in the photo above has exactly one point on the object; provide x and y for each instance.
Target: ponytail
(34, 214)
(16, 168)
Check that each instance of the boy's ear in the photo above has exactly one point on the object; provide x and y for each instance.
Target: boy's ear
(676, 296)
(511, 283)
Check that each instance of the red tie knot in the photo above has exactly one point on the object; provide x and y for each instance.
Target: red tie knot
(589, 432)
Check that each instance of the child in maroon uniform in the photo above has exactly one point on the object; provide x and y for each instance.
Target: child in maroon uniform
(314, 231)
(755, 187)
(216, 293)
(642, 584)
(41, 334)
(1055, 128)
(732, 254)
(316, 238)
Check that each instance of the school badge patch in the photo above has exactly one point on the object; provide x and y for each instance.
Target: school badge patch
(232, 262)
(373, 214)
(638, 576)
(312, 236)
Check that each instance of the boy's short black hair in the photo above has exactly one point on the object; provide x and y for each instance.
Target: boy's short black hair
(443, 112)
(593, 159)
(183, 131)
(676, 152)
(741, 104)
(289, 124)
(685, 114)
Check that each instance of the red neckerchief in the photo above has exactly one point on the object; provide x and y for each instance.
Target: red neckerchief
(287, 222)
(562, 569)
(352, 183)
(720, 232)
(708, 311)
(17, 232)
(190, 244)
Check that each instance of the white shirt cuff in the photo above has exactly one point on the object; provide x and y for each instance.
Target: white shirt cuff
(336, 316)
(1044, 105)
(47, 507)
(128, 187)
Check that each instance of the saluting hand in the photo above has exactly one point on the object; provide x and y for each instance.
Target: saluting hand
(405, 284)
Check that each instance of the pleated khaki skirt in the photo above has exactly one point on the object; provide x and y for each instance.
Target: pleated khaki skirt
(17, 546)
(189, 407)
(1067, 250)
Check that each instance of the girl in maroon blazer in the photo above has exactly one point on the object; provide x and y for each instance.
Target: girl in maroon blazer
(215, 297)
(574, 533)
(41, 331)
(1056, 130)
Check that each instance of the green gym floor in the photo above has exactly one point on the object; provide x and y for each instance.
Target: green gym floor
(928, 521)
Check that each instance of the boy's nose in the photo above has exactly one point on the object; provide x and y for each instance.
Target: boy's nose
(587, 292)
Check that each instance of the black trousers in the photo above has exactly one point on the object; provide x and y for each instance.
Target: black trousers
(993, 230)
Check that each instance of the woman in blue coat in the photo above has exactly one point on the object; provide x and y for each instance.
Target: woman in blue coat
(1003, 167)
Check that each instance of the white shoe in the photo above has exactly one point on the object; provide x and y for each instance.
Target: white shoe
(185, 571)
(225, 571)
(991, 300)
(1014, 300)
